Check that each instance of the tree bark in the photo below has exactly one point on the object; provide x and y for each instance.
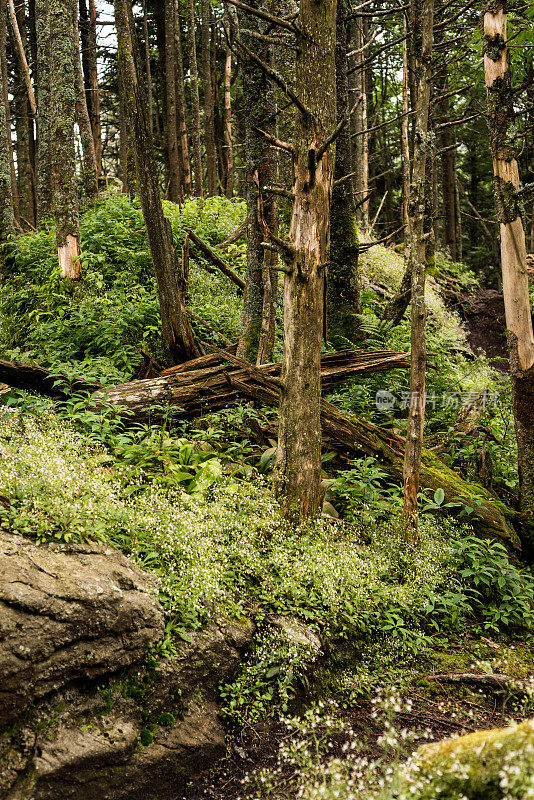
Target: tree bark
(259, 110)
(7, 222)
(94, 91)
(24, 108)
(343, 292)
(504, 147)
(422, 19)
(175, 177)
(209, 109)
(298, 465)
(148, 68)
(228, 148)
(89, 168)
(177, 335)
(62, 91)
(44, 119)
(361, 138)
(180, 106)
(195, 101)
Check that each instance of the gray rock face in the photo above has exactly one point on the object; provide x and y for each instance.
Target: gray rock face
(67, 614)
(140, 731)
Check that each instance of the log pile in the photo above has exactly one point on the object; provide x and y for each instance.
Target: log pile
(220, 379)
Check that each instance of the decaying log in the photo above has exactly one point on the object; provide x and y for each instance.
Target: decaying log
(38, 379)
(217, 260)
(208, 384)
(516, 687)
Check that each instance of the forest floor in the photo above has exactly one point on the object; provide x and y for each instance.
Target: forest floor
(257, 763)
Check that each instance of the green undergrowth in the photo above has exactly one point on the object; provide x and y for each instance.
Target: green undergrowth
(216, 541)
(96, 329)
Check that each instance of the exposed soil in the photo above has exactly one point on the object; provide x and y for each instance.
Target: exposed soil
(484, 320)
(438, 711)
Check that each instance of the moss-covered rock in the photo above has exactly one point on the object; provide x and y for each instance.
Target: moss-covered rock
(486, 765)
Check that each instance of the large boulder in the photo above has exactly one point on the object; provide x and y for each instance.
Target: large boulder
(68, 613)
(85, 714)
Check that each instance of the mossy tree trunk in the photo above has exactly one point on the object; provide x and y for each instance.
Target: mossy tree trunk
(343, 294)
(298, 466)
(7, 222)
(44, 138)
(63, 153)
(89, 167)
(259, 112)
(177, 335)
(504, 148)
(422, 20)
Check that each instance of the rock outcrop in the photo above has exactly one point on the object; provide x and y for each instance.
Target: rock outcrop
(67, 613)
(84, 713)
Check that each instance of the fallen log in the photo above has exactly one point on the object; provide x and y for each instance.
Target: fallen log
(517, 687)
(38, 379)
(211, 382)
(217, 260)
(208, 384)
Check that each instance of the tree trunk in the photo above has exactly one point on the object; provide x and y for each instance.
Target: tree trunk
(148, 68)
(7, 226)
(359, 128)
(422, 19)
(177, 335)
(343, 292)
(195, 102)
(62, 92)
(504, 147)
(96, 124)
(89, 169)
(405, 140)
(298, 466)
(259, 110)
(175, 177)
(44, 119)
(228, 148)
(448, 158)
(180, 105)
(209, 111)
(24, 108)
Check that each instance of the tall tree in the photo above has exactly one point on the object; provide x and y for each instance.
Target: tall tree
(44, 119)
(7, 226)
(259, 114)
(175, 176)
(209, 105)
(24, 109)
(422, 21)
(63, 97)
(180, 105)
(343, 295)
(228, 147)
(89, 167)
(177, 335)
(195, 100)
(504, 148)
(88, 23)
(298, 465)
